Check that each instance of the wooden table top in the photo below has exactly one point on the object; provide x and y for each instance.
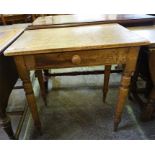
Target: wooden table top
(9, 33)
(43, 20)
(106, 18)
(147, 32)
(74, 38)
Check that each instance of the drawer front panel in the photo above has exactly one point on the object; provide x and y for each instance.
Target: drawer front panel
(81, 58)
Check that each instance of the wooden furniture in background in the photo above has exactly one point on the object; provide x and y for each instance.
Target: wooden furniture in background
(148, 32)
(35, 17)
(8, 73)
(3, 20)
(78, 20)
(105, 44)
(7, 19)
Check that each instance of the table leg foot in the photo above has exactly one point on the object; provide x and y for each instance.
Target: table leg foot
(117, 122)
(123, 92)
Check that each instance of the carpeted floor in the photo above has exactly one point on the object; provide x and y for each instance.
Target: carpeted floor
(75, 111)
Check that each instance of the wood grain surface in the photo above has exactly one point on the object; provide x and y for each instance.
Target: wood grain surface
(147, 32)
(43, 20)
(74, 38)
(105, 18)
(9, 33)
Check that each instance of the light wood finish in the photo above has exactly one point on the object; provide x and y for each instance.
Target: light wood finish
(125, 82)
(25, 77)
(15, 26)
(9, 33)
(75, 47)
(78, 20)
(81, 20)
(147, 32)
(87, 58)
(69, 39)
(43, 20)
(46, 19)
(8, 36)
(106, 18)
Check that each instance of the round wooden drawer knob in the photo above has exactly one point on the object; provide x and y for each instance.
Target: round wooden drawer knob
(76, 59)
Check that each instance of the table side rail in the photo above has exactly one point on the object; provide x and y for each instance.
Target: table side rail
(77, 58)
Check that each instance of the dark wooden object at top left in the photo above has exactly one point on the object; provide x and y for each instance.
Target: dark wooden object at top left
(7, 70)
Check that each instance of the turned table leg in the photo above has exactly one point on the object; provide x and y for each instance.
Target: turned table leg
(25, 77)
(39, 74)
(106, 81)
(123, 92)
(125, 82)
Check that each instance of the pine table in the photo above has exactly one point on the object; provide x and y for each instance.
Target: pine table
(104, 44)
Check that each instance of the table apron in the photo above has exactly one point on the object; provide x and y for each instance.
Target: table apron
(86, 58)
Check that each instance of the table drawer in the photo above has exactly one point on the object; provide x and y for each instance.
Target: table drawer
(81, 58)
